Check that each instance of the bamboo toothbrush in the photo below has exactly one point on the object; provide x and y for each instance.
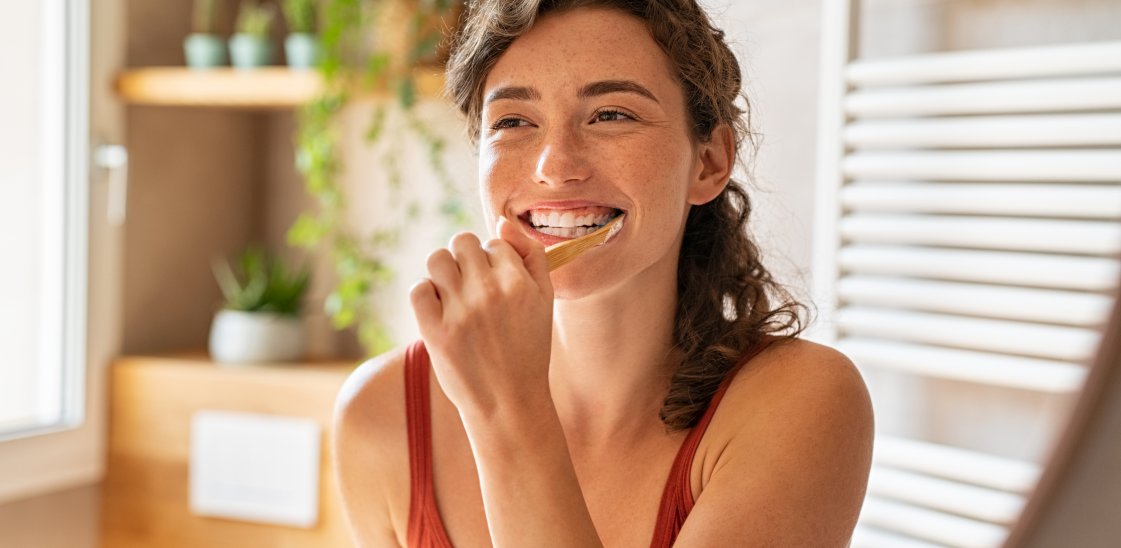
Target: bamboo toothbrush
(563, 253)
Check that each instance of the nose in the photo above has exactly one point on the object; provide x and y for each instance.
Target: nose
(562, 158)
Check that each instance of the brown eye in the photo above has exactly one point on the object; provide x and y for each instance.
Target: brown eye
(611, 116)
(508, 123)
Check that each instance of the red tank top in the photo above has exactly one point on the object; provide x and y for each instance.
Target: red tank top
(426, 529)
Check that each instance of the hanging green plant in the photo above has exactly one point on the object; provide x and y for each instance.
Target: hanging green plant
(350, 65)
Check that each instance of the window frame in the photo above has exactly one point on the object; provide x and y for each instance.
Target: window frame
(68, 451)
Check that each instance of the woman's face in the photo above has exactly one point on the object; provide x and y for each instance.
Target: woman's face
(583, 119)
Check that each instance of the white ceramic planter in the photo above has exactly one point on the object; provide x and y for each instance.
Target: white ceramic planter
(204, 51)
(255, 337)
(302, 51)
(250, 52)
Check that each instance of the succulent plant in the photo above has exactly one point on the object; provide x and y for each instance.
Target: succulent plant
(255, 19)
(262, 284)
(301, 16)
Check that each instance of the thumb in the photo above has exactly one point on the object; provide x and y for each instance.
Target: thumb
(531, 251)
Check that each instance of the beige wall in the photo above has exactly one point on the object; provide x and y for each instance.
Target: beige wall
(67, 519)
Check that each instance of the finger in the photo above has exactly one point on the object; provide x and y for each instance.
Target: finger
(502, 253)
(531, 251)
(469, 254)
(426, 306)
(443, 271)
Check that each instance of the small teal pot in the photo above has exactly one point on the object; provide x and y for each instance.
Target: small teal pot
(249, 52)
(204, 51)
(302, 51)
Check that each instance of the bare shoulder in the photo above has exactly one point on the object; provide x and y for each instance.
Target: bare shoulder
(371, 449)
(373, 395)
(801, 377)
(791, 438)
(804, 394)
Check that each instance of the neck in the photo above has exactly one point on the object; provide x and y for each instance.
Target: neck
(612, 357)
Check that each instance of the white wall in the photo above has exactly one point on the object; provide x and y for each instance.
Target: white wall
(368, 184)
(374, 203)
(777, 45)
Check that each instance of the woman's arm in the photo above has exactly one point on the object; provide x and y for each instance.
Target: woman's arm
(530, 490)
(794, 450)
(486, 318)
(368, 441)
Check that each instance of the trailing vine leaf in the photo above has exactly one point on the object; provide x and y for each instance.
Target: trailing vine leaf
(377, 124)
(451, 205)
(386, 238)
(307, 231)
(350, 62)
(406, 92)
(377, 66)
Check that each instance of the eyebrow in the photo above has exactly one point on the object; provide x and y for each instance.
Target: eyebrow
(603, 87)
(516, 93)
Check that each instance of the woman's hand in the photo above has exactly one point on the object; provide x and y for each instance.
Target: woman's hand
(485, 314)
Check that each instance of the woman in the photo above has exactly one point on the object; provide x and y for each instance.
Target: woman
(641, 395)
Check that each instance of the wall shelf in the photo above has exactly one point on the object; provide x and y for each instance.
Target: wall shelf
(263, 88)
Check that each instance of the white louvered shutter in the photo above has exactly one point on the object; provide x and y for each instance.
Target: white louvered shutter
(969, 235)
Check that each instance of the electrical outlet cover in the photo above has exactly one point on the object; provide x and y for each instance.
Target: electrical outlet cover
(255, 467)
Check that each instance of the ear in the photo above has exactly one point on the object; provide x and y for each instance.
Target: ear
(715, 160)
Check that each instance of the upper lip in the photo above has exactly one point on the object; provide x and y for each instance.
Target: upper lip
(564, 204)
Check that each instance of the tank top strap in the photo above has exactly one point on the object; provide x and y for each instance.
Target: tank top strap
(677, 497)
(425, 528)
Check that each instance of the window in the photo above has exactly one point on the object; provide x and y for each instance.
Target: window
(40, 216)
(968, 258)
(43, 241)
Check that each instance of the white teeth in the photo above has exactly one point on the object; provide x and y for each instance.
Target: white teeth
(567, 224)
(566, 232)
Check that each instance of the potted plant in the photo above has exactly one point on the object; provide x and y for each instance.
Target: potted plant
(250, 46)
(203, 48)
(301, 47)
(260, 319)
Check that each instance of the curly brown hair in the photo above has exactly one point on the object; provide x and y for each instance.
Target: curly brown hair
(726, 297)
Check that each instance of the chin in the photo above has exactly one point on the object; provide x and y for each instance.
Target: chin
(575, 281)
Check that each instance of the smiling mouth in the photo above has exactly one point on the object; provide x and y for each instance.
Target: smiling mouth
(570, 223)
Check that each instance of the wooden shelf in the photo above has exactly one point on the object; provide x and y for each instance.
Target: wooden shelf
(263, 88)
(200, 359)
